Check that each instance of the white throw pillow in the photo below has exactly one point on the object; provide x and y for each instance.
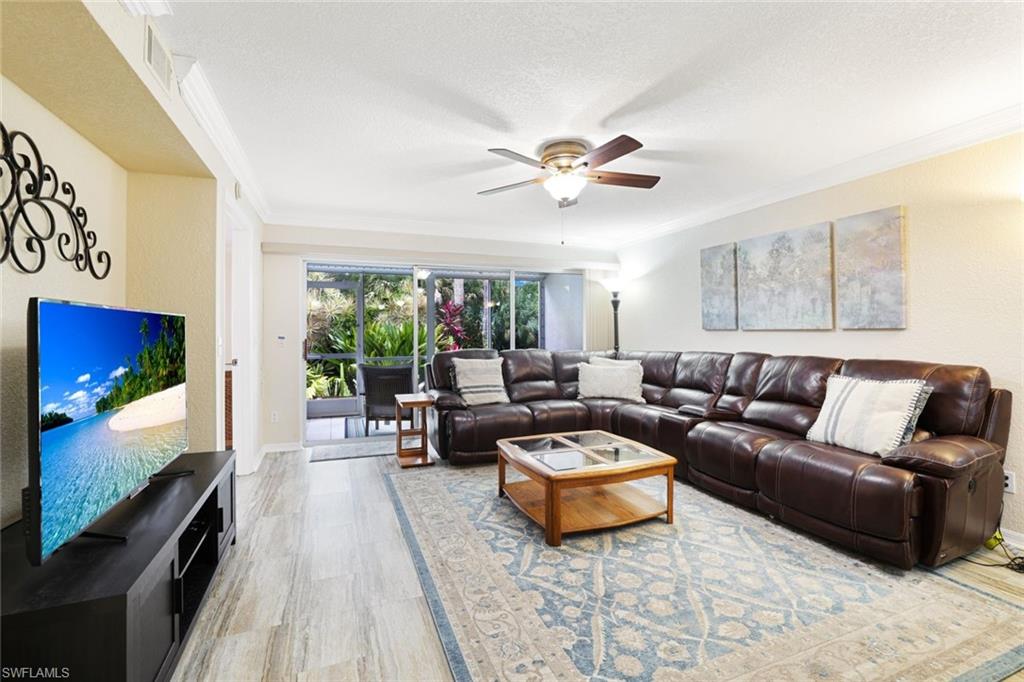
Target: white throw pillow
(479, 382)
(866, 415)
(609, 362)
(611, 382)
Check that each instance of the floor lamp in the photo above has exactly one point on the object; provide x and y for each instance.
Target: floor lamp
(614, 286)
(615, 318)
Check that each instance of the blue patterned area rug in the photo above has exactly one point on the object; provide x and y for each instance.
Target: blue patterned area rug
(721, 594)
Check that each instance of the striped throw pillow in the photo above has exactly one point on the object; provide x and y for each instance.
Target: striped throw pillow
(866, 415)
(479, 382)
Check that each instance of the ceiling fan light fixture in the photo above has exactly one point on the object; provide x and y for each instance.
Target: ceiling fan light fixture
(565, 186)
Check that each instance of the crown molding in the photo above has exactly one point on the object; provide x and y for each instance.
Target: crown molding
(149, 8)
(398, 226)
(975, 131)
(200, 99)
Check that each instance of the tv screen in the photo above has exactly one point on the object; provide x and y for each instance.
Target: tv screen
(109, 411)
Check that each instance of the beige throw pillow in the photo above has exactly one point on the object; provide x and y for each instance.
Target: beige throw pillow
(621, 382)
(479, 382)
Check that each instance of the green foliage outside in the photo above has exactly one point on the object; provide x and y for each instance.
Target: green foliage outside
(157, 367)
(51, 420)
(336, 378)
(332, 323)
(527, 315)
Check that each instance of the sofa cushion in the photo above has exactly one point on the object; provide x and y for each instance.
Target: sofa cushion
(840, 486)
(866, 415)
(623, 382)
(478, 428)
(601, 410)
(639, 422)
(567, 368)
(441, 365)
(659, 371)
(553, 416)
(479, 382)
(698, 379)
(529, 375)
(740, 381)
(790, 391)
(959, 392)
(728, 451)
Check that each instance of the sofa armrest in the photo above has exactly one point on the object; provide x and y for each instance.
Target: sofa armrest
(712, 413)
(945, 456)
(445, 399)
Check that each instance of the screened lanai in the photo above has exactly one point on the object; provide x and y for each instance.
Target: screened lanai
(401, 315)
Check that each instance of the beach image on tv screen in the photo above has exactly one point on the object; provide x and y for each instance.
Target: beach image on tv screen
(111, 408)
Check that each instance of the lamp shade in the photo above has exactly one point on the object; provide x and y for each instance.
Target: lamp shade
(614, 284)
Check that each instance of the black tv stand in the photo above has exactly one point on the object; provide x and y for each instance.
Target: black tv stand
(172, 474)
(120, 611)
(123, 539)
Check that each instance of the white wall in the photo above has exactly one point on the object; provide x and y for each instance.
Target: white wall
(965, 275)
(101, 186)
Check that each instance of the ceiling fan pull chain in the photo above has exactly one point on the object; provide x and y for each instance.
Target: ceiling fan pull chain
(561, 214)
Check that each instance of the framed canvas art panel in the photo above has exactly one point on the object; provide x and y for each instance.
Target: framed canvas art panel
(718, 287)
(785, 279)
(871, 270)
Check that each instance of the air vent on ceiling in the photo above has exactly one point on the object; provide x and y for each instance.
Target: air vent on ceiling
(158, 58)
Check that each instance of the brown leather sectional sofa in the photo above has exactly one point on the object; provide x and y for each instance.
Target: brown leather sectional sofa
(736, 423)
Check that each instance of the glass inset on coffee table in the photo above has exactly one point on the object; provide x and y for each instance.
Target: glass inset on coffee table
(578, 481)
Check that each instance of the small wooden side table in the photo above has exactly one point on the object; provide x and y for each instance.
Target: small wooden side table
(418, 456)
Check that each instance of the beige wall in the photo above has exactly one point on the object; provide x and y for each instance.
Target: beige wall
(101, 186)
(965, 275)
(173, 268)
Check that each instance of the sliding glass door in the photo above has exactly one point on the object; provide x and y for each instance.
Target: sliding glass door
(474, 309)
(355, 315)
(403, 315)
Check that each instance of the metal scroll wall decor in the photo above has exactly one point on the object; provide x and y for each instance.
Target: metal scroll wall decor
(38, 210)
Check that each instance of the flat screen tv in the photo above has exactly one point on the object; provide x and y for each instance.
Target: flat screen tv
(106, 411)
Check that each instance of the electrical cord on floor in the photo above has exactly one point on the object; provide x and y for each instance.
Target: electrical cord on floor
(1014, 561)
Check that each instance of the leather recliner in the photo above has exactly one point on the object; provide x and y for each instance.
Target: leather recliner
(737, 424)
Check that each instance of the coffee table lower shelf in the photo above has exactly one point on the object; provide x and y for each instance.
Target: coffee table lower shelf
(585, 508)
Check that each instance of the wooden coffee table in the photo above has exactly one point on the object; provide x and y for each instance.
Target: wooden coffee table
(577, 481)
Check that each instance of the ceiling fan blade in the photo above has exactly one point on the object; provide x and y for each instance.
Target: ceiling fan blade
(609, 151)
(515, 156)
(623, 179)
(505, 188)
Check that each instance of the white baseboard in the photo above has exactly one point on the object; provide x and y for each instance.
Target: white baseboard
(1013, 538)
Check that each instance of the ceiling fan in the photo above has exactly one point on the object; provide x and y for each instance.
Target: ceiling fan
(569, 167)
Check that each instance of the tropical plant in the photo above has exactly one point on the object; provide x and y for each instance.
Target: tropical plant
(383, 339)
(450, 314)
(331, 378)
(321, 384)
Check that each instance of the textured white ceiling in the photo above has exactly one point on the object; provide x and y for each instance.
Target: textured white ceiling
(378, 115)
